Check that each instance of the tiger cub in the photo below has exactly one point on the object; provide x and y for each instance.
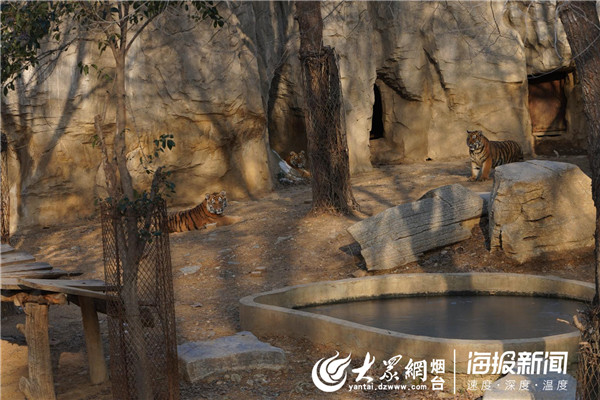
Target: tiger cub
(298, 161)
(487, 154)
(209, 211)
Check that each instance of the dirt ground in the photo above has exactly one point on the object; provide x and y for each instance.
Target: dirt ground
(294, 247)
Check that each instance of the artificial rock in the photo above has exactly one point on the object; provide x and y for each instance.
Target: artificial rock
(541, 207)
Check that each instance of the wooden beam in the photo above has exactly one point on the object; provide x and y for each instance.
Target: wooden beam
(40, 384)
(93, 340)
(22, 298)
(90, 284)
(16, 257)
(60, 286)
(36, 266)
(53, 273)
(9, 284)
(6, 248)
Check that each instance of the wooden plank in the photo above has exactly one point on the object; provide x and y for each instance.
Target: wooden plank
(40, 384)
(51, 286)
(9, 284)
(36, 266)
(89, 284)
(93, 340)
(52, 273)
(6, 248)
(16, 257)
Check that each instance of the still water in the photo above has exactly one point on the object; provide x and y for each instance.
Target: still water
(460, 317)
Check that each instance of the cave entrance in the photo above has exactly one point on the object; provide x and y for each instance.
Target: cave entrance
(377, 119)
(547, 109)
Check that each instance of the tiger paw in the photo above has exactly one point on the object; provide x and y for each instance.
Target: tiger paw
(472, 179)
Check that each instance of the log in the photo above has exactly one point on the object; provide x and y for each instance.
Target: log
(400, 234)
(93, 340)
(40, 384)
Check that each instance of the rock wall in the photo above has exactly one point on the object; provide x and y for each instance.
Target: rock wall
(229, 94)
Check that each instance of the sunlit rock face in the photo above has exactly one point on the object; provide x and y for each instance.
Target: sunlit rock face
(539, 208)
(229, 94)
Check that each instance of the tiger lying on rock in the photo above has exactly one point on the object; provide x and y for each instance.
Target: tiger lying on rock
(298, 161)
(487, 154)
(208, 212)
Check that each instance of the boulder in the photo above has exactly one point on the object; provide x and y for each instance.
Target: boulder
(541, 207)
(400, 234)
(239, 352)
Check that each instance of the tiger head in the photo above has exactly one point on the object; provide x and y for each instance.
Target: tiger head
(475, 140)
(216, 202)
(298, 160)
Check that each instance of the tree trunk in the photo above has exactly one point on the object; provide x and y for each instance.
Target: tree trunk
(325, 131)
(580, 20)
(128, 232)
(5, 188)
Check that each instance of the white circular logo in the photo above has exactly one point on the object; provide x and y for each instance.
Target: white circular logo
(330, 375)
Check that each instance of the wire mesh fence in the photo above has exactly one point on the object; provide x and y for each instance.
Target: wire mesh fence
(326, 133)
(4, 189)
(588, 371)
(140, 305)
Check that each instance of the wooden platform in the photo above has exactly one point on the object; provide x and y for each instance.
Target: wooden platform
(35, 285)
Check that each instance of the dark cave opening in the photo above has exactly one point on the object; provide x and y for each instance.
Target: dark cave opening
(377, 131)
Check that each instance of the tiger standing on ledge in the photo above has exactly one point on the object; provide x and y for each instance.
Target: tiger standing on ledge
(210, 211)
(487, 154)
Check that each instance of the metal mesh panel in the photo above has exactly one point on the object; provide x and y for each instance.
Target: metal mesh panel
(141, 314)
(4, 188)
(588, 372)
(326, 133)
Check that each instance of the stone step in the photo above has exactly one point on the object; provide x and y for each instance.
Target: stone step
(239, 352)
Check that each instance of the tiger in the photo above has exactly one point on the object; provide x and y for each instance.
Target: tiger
(298, 161)
(210, 211)
(487, 154)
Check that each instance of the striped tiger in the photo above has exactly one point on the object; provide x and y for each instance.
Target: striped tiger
(298, 161)
(209, 211)
(487, 154)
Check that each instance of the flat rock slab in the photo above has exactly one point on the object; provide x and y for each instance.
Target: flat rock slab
(540, 387)
(242, 351)
(400, 234)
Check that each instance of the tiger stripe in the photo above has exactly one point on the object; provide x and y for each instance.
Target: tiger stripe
(487, 154)
(207, 212)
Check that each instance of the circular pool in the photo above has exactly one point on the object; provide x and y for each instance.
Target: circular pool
(427, 315)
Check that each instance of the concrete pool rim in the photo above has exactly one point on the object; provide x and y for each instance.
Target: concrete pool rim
(273, 313)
